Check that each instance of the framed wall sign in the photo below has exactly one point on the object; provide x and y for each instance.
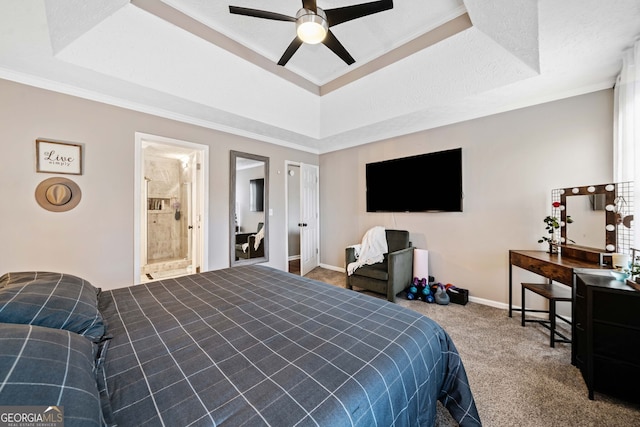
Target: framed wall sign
(58, 157)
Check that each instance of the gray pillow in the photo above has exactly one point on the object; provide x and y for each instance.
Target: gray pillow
(54, 300)
(50, 367)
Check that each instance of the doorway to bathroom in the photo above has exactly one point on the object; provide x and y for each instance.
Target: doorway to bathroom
(171, 195)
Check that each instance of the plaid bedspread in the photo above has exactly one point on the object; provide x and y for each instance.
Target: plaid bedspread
(257, 346)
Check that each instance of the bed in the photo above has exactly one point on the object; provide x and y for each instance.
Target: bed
(248, 345)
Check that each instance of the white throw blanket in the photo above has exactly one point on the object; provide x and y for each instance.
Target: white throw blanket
(259, 236)
(371, 250)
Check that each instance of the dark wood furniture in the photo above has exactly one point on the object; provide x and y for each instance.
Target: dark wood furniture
(554, 267)
(554, 293)
(607, 335)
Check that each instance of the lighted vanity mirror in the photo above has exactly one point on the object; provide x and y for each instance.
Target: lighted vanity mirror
(588, 214)
(248, 208)
(592, 229)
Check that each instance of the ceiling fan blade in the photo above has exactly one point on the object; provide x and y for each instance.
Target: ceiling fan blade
(310, 4)
(332, 43)
(293, 47)
(343, 14)
(260, 14)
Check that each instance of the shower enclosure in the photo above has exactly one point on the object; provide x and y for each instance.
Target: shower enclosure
(168, 176)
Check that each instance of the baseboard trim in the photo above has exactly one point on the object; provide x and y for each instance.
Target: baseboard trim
(489, 302)
(333, 267)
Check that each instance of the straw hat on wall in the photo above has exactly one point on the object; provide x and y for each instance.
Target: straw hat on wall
(58, 194)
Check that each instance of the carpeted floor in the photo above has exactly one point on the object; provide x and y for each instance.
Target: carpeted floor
(516, 378)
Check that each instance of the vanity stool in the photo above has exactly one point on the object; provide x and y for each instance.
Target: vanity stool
(553, 293)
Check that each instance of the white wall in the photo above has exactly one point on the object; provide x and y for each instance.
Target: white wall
(511, 162)
(95, 240)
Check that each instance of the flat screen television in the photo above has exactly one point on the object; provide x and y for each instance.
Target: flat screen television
(422, 183)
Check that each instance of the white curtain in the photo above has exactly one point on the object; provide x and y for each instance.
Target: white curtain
(626, 128)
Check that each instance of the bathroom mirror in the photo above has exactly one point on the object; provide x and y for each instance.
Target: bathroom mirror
(248, 208)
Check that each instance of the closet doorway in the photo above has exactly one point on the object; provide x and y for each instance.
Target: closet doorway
(171, 199)
(303, 220)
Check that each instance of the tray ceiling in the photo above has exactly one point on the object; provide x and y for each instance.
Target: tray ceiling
(418, 65)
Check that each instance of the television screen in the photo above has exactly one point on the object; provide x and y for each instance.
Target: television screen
(427, 182)
(256, 195)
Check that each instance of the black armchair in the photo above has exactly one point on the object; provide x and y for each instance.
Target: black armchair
(250, 239)
(392, 275)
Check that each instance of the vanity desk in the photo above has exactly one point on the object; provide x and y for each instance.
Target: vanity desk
(593, 212)
(590, 223)
(606, 326)
(553, 267)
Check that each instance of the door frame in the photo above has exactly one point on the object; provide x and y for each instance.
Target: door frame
(201, 206)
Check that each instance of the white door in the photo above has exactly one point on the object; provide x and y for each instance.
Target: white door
(309, 218)
(195, 231)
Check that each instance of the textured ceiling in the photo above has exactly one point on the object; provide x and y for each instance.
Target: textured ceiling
(365, 38)
(418, 66)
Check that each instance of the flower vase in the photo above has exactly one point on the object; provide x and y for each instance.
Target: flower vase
(552, 248)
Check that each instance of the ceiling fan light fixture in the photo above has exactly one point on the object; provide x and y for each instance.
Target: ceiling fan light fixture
(311, 27)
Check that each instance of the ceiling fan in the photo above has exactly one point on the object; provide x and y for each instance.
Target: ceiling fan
(312, 24)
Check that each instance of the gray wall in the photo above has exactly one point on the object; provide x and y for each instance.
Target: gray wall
(511, 162)
(95, 240)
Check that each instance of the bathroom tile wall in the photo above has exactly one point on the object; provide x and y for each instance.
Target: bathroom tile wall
(164, 231)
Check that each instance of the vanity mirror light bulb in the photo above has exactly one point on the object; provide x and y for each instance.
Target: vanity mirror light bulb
(591, 189)
(610, 187)
(611, 248)
(575, 190)
(610, 227)
(609, 207)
